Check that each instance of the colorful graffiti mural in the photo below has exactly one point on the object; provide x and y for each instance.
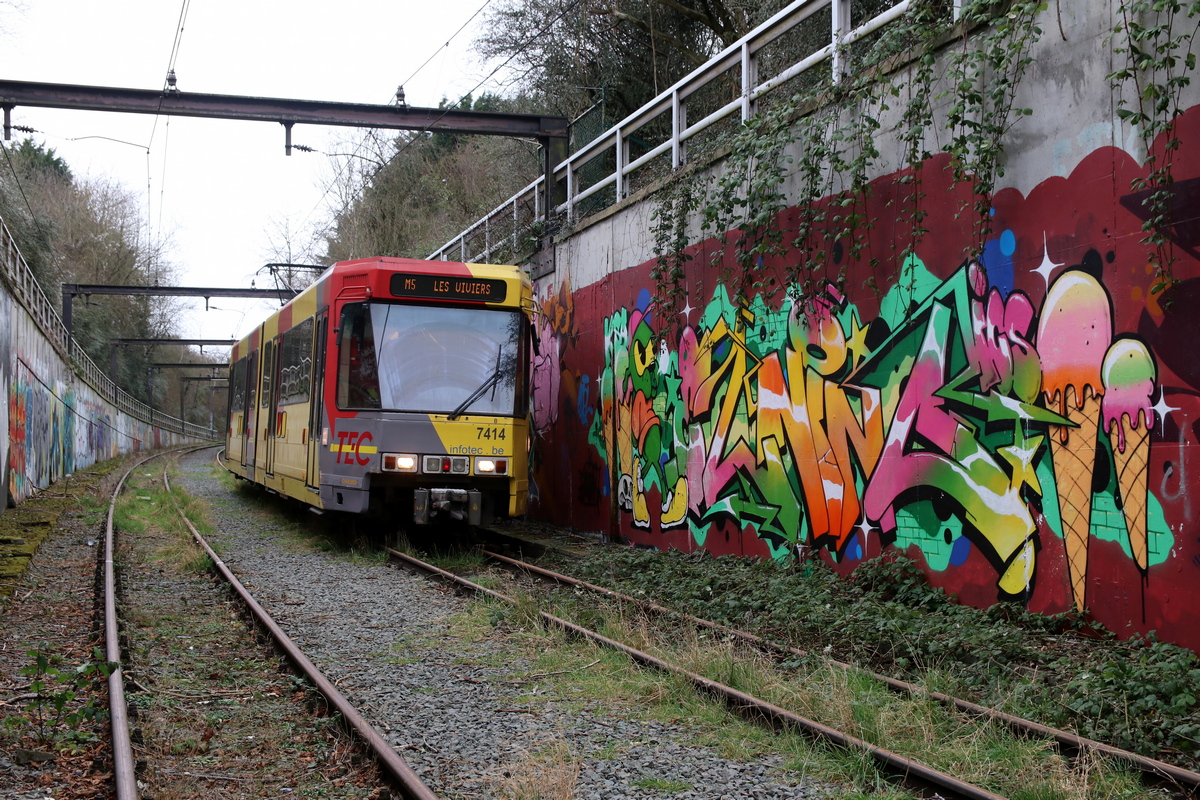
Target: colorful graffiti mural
(788, 422)
(55, 423)
(1023, 419)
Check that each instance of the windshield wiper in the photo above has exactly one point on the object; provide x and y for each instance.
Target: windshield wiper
(489, 383)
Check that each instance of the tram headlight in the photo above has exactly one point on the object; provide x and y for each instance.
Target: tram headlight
(491, 466)
(399, 462)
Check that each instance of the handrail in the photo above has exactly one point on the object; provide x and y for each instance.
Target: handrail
(22, 283)
(742, 53)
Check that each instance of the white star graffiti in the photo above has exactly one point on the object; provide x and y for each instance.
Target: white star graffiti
(864, 529)
(1161, 409)
(1047, 266)
(687, 311)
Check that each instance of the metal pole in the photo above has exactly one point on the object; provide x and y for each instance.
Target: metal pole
(66, 313)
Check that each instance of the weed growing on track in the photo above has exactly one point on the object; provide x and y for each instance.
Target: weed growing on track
(1141, 695)
(547, 773)
(60, 711)
(147, 506)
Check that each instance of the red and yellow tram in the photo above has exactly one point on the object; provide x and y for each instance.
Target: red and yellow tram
(391, 386)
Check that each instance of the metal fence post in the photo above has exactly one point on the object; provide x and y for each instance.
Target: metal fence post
(840, 12)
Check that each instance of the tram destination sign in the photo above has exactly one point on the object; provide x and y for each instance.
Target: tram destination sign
(448, 287)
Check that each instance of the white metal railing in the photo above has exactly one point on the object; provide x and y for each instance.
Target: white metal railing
(674, 101)
(28, 292)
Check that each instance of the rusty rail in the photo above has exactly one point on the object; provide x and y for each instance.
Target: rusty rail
(123, 763)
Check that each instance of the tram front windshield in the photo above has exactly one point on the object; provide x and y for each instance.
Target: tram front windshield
(431, 359)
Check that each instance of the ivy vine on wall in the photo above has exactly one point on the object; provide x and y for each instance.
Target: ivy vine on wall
(1158, 44)
(980, 59)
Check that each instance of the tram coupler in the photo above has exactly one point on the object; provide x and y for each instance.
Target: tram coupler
(458, 503)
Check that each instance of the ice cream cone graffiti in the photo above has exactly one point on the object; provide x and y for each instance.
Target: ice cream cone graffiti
(1074, 455)
(1129, 376)
(1074, 335)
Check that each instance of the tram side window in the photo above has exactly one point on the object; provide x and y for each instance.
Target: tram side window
(237, 383)
(358, 370)
(295, 372)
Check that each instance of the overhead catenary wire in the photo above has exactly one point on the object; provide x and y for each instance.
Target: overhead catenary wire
(417, 71)
(358, 192)
(454, 35)
(168, 85)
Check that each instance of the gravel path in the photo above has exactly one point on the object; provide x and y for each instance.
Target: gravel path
(382, 636)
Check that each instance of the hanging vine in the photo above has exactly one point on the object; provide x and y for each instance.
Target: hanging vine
(674, 206)
(916, 121)
(836, 125)
(1159, 60)
(984, 73)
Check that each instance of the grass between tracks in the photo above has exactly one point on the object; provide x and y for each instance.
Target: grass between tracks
(214, 708)
(972, 750)
(1140, 695)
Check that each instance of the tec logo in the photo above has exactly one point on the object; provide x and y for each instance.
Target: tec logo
(352, 447)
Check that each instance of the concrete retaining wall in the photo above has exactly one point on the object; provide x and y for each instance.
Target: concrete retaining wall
(985, 410)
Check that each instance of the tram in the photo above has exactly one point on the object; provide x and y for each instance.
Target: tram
(393, 387)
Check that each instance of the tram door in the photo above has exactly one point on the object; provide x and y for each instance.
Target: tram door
(249, 426)
(270, 403)
(316, 395)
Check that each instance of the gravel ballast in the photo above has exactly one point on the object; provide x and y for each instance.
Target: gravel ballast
(450, 705)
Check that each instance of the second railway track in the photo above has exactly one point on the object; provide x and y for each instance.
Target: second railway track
(1175, 778)
(461, 695)
(1163, 779)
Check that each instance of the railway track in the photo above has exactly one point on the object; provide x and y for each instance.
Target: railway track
(489, 710)
(126, 784)
(1180, 781)
(911, 773)
(919, 777)
(922, 778)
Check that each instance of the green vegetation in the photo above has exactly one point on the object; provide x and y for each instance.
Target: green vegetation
(1142, 695)
(61, 712)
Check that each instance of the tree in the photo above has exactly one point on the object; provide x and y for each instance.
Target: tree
(88, 230)
(406, 196)
(565, 51)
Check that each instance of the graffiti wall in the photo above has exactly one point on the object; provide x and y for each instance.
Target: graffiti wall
(1021, 416)
(55, 422)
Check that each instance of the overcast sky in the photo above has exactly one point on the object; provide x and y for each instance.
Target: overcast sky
(223, 191)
